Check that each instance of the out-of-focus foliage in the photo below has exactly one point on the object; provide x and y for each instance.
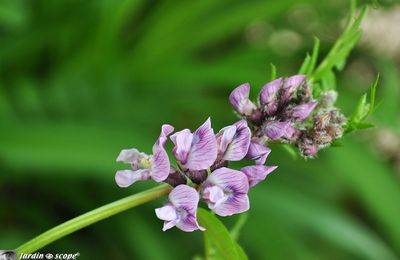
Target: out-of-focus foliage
(80, 80)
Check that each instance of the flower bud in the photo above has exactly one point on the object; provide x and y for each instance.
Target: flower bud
(328, 98)
(307, 148)
(269, 96)
(175, 178)
(290, 86)
(240, 101)
(301, 112)
(197, 177)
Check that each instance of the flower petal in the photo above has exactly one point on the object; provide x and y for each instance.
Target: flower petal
(126, 178)
(292, 133)
(185, 197)
(276, 129)
(213, 194)
(302, 111)
(269, 96)
(204, 148)
(160, 166)
(169, 224)
(228, 179)
(290, 85)
(131, 156)
(165, 131)
(189, 224)
(235, 204)
(183, 142)
(167, 213)
(258, 152)
(257, 173)
(225, 137)
(239, 146)
(239, 99)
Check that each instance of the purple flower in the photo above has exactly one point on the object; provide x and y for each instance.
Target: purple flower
(181, 209)
(257, 173)
(145, 166)
(276, 129)
(240, 101)
(308, 149)
(198, 150)
(301, 112)
(233, 141)
(292, 133)
(225, 192)
(290, 86)
(258, 152)
(269, 96)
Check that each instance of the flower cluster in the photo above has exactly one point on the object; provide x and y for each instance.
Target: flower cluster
(201, 171)
(283, 114)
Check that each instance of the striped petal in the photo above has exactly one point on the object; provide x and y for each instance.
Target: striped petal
(125, 178)
(258, 153)
(257, 173)
(239, 99)
(203, 152)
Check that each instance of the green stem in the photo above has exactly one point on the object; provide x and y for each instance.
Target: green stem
(92, 217)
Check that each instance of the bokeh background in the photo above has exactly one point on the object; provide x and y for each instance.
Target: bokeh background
(80, 80)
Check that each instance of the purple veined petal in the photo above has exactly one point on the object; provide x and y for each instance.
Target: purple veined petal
(269, 94)
(239, 99)
(229, 179)
(258, 153)
(183, 141)
(270, 90)
(215, 195)
(189, 223)
(308, 150)
(236, 204)
(131, 156)
(233, 184)
(184, 196)
(160, 165)
(257, 173)
(181, 209)
(225, 137)
(238, 147)
(302, 111)
(167, 212)
(169, 224)
(204, 148)
(292, 133)
(290, 85)
(125, 178)
(165, 131)
(275, 129)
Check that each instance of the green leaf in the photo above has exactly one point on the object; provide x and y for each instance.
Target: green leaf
(314, 57)
(372, 96)
(361, 111)
(216, 234)
(290, 150)
(273, 71)
(235, 231)
(336, 58)
(364, 125)
(328, 81)
(305, 64)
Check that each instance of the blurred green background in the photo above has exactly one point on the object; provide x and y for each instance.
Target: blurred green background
(80, 80)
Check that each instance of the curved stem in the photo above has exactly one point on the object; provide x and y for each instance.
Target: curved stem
(92, 217)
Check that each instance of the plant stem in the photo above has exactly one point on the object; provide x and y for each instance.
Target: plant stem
(92, 217)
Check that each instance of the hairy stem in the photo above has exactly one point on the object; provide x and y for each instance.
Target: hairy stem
(91, 217)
